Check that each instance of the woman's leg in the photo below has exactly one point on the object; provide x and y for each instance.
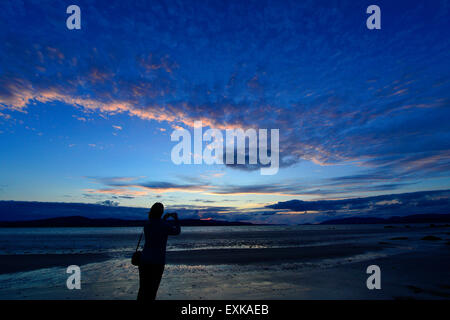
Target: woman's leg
(144, 277)
(156, 274)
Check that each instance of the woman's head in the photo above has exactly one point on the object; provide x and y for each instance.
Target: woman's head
(156, 211)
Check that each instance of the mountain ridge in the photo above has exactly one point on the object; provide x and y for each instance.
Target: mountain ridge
(81, 221)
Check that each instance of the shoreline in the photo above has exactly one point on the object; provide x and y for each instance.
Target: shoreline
(414, 264)
(419, 273)
(29, 262)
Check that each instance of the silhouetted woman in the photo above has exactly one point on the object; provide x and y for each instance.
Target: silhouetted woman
(153, 256)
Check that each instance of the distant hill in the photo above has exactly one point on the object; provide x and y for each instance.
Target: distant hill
(33, 210)
(79, 221)
(416, 218)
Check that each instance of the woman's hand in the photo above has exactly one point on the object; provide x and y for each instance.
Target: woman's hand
(168, 215)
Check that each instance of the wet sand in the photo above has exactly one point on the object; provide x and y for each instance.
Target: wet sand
(411, 268)
(267, 255)
(417, 274)
(27, 262)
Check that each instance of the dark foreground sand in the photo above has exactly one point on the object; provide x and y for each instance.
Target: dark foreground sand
(26, 262)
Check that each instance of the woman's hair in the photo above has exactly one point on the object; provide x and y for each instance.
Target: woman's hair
(156, 211)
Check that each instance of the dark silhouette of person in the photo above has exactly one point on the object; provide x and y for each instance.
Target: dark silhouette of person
(153, 258)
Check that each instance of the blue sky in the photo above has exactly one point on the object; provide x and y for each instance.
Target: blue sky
(86, 115)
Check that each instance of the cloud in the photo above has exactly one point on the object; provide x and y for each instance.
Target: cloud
(206, 184)
(122, 192)
(402, 204)
(161, 186)
(5, 116)
(109, 203)
(133, 186)
(301, 75)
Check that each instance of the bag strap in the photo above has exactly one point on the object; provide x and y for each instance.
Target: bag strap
(139, 242)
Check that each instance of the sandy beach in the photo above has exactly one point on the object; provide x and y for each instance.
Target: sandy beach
(411, 268)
